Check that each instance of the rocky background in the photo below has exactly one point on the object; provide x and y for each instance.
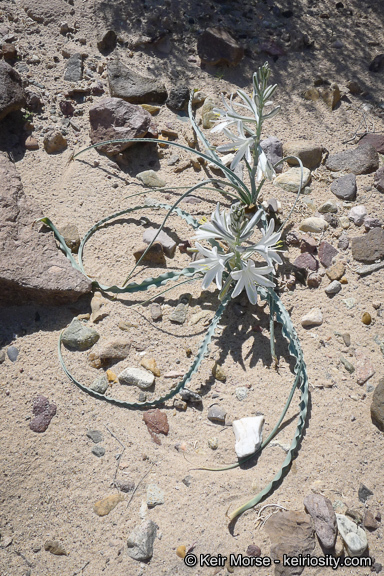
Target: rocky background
(88, 487)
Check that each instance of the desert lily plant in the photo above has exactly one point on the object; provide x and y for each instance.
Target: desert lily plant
(229, 246)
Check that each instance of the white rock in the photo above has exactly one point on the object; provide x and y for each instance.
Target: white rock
(313, 224)
(248, 434)
(226, 160)
(141, 378)
(357, 214)
(333, 288)
(354, 538)
(313, 318)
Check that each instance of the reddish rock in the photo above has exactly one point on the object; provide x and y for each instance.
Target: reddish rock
(370, 247)
(113, 118)
(375, 140)
(155, 254)
(216, 46)
(157, 423)
(9, 51)
(31, 266)
(308, 244)
(43, 412)
(364, 367)
(370, 521)
(326, 254)
(324, 518)
(55, 142)
(67, 108)
(314, 280)
(307, 262)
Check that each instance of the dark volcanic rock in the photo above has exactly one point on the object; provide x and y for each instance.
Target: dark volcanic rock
(306, 261)
(216, 46)
(106, 40)
(12, 95)
(369, 247)
(113, 118)
(345, 187)
(361, 160)
(132, 87)
(178, 98)
(31, 266)
(43, 412)
(74, 68)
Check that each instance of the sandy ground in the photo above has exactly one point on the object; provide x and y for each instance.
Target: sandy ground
(51, 481)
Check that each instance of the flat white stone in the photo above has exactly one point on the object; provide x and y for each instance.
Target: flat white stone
(248, 434)
(226, 160)
(313, 224)
(141, 378)
(290, 180)
(354, 537)
(313, 318)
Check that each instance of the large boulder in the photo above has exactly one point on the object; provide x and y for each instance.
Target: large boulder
(132, 87)
(31, 266)
(363, 159)
(12, 95)
(113, 118)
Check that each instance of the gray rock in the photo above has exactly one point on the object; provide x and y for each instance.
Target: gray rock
(273, 148)
(370, 247)
(12, 353)
(187, 481)
(100, 385)
(71, 236)
(361, 160)
(216, 46)
(78, 336)
(43, 274)
(151, 178)
(98, 451)
(364, 493)
(343, 242)
(95, 435)
(377, 405)
(364, 367)
(328, 207)
(291, 533)
(155, 496)
(168, 244)
(370, 222)
(12, 96)
(333, 288)
(47, 12)
(332, 220)
(137, 377)
(43, 413)
(179, 314)
(370, 521)
(190, 396)
(141, 540)
(217, 414)
(74, 68)
(106, 40)
(314, 280)
(156, 312)
(178, 98)
(345, 187)
(347, 365)
(379, 179)
(326, 254)
(324, 518)
(132, 87)
(113, 118)
(2, 356)
(308, 152)
(357, 215)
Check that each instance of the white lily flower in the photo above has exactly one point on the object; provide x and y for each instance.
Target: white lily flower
(266, 245)
(220, 228)
(241, 144)
(264, 167)
(229, 116)
(249, 277)
(213, 264)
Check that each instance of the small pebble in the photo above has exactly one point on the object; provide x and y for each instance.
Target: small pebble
(95, 435)
(253, 550)
(366, 318)
(217, 414)
(13, 353)
(181, 551)
(333, 288)
(213, 443)
(98, 451)
(218, 372)
(241, 393)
